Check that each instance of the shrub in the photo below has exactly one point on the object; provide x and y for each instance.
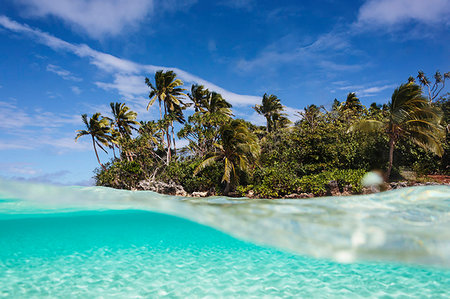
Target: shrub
(120, 175)
(275, 181)
(318, 183)
(182, 172)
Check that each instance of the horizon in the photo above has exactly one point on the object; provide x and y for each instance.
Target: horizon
(63, 60)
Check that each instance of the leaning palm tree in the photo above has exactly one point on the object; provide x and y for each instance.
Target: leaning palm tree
(98, 129)
(411, 115)
(169, 93)
(124, 119)
(122, 125)
(199, 96)
(209, 102)
(237, 148)
(352, 103)
(271, 109)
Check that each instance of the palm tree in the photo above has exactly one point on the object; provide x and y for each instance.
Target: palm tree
(352, 103)
(124, 119)
(237, 148)
(168, 91)
(311, 114)
(122, 125)
(411, 115)
(209, 102)
(98, 129)
(199, 96)
(434, 89)
(271, 109)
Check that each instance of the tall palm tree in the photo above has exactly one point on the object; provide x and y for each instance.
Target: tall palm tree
(98, 129)
(124, 119)
(411, 115)
(272, 109)
(352, 103)
(199, 96)
(122, 125)
(166, 89)
(237, 148)
(168, 92)
(209, 102)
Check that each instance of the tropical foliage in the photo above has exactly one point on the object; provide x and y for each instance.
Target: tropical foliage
(410, 115)
(224, 154)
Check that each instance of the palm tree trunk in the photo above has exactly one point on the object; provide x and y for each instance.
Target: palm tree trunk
(227, 188)
(391, 157)
(174, 144)
(169, 154)
(160, 111)
(96, 154)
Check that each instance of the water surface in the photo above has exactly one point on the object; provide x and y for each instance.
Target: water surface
(91, 241)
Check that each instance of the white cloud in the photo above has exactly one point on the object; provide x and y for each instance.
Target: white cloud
(393, 12)
(364, 90)
(128, 86)
(371, 91)
(120, 68)
(288, 50)
(65, 74)
(100, 18)
(39, 119)
(95, 17)
(76, 90)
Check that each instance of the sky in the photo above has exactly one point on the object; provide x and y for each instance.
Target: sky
(60, 59)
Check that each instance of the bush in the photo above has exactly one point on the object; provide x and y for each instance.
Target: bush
(275, 181)
(182, 172)
(120, 175)
(318, 183)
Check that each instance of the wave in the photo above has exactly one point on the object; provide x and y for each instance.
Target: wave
(409, 225)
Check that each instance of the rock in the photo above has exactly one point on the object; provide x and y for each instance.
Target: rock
(170, 188)
(251, 194)
(333, 188)
(233, 194)
(293, 195)
(199, 194)
(305, 195)
(370, 190)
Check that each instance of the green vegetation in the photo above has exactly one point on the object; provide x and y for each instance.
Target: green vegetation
(227, 155)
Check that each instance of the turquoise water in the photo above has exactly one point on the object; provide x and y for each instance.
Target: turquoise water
(98, 242)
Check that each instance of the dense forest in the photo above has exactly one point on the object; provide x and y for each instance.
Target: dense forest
(225, 155)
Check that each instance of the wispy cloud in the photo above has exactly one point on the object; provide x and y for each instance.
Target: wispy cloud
(65, 74)
(377, 13)
(37, 118)
(47, 178)
(117, 67)
(100, 18)
(288, 50)
(76, 90)
(363, 90)
(239, 4)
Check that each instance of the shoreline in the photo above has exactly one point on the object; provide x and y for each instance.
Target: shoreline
(174, 189)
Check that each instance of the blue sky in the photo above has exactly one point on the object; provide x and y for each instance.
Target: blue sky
(59, 59)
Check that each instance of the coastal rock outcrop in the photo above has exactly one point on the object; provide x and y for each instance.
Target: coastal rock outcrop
(170, 188)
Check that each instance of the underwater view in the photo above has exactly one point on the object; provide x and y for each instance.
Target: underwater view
(95, 241)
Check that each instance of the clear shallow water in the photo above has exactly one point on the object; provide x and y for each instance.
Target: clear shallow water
(87, 242)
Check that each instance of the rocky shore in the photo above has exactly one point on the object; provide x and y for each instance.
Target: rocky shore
(171, 188)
